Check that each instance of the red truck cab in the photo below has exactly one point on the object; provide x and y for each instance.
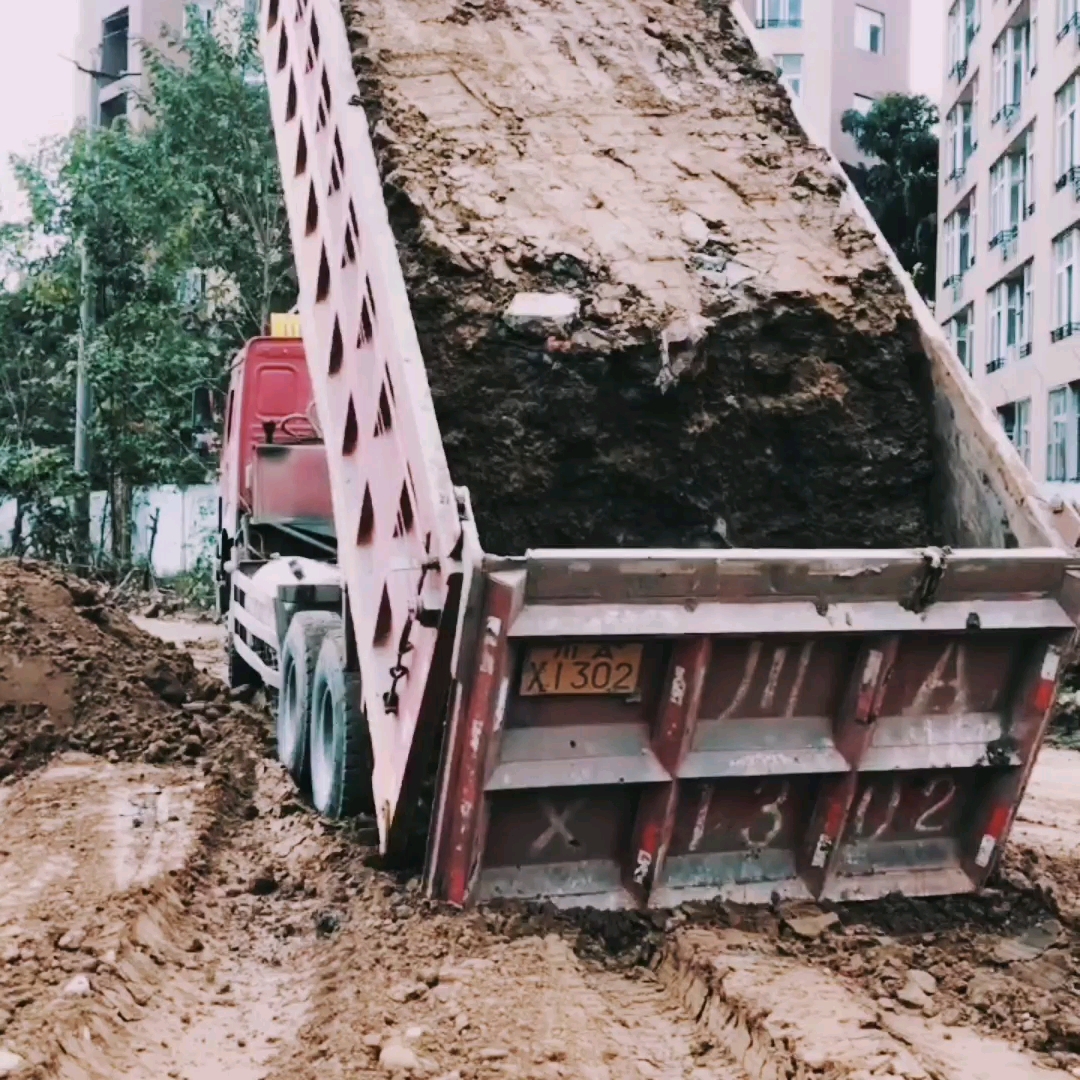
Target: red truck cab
(274, 486)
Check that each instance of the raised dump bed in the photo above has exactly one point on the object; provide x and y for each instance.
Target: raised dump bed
(652, 312)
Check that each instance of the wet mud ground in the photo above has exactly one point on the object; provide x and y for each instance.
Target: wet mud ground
(173, 910)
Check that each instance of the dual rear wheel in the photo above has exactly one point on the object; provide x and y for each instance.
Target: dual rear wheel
(322, 733)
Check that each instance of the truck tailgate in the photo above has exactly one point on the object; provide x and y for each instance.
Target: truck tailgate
(644, 727)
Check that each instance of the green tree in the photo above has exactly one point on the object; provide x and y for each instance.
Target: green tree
(899, 184)
(37, 321)
(182, 215)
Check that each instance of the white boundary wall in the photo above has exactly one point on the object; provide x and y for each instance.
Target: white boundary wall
(187, 524)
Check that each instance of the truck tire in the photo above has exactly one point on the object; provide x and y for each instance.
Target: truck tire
(299, 655)
(341, 758)
(241, 673)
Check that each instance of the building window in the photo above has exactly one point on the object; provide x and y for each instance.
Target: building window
(955, 38)
(1010, 185)
(962, 336)
(789, 69)
(112, 110)
(962, 28)
(971, 23)
(1016, 420)
(1057, 440)
(200, 14)
(1065, 304)
(996, 329)
(965, 242)
(862, 104)
(869, 30)
(1027, 311)
(1011, 63)
(772, 14)
(1065, 132)
(114, 44)
(1066, 16)
(1009, 320)
(959, 244)
(998, 211)
(960, 138)
(1029, 173)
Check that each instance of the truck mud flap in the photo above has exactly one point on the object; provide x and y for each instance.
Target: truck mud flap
(642, 728)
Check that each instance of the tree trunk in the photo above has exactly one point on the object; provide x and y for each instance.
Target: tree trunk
(17, 528)
(121, 520)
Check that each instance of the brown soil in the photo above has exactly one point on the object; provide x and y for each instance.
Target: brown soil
(743, 369)
(76, 674)
(194, 919)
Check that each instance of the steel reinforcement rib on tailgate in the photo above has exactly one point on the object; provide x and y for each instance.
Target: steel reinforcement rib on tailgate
(640, 728)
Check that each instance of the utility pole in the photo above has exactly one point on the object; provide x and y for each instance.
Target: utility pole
(82, 380)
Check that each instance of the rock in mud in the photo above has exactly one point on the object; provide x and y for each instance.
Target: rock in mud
(10, 1063)
(1031, 944)
(912, 994)
(811, 926)
(396, 1057)
(72, 941)
(263, 883)
(79, 986)
(923, 980)
(162, 679)
(407, 992)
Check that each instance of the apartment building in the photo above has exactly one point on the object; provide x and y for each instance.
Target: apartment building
(837, 55)
(1009, 221)
(108, 43)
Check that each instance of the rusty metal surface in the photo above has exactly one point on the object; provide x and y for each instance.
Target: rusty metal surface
(757, 760)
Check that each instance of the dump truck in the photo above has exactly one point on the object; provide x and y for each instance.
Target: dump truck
(623, 725)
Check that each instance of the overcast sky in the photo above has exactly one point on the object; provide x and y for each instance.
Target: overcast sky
(36, 83)
(37, 88)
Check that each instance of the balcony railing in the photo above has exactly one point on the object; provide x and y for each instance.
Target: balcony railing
(1025, 349)
(1070, 176)
(1003, 236)
(1009, 113)
(779, 24)
(1064, 331)
(1008, 242)
(956, 177)
(959, 69)
(1072, 23)
(1029, 210)
(955, 282)
(995, 365)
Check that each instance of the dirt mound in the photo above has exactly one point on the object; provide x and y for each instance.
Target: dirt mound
(77, 674)
(737, 364)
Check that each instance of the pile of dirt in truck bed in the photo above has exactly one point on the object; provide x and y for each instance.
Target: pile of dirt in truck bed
(734, 361)
(77, 674)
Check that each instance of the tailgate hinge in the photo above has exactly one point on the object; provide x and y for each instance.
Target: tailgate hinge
(925, 589)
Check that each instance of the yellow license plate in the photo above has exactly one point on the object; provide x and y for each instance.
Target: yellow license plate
(582, 668)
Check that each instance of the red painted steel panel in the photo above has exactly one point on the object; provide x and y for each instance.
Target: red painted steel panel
(780, 677)
(799, 814)
(948, 673)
